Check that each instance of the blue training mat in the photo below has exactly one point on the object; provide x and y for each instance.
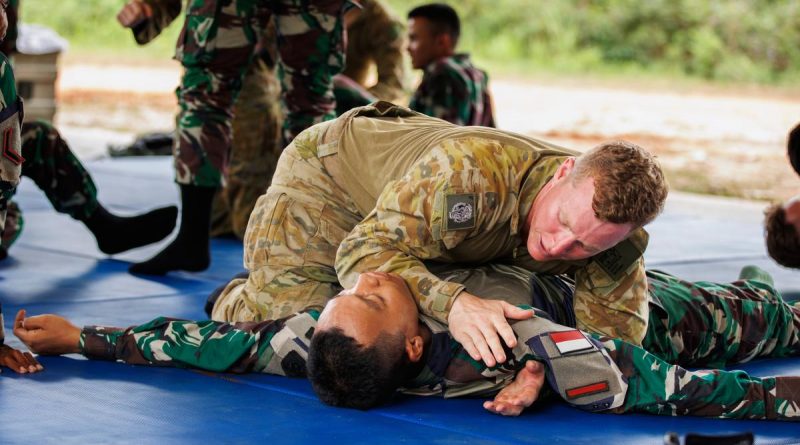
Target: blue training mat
(55, 267)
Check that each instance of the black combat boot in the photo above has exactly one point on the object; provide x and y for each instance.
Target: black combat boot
(115, 234)
(189, 251)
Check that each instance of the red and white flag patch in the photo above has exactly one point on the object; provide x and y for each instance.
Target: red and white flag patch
(568, 342)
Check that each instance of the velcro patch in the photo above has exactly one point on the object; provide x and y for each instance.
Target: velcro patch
(616, 260)
(568, 342)
(460, 211)
(587, 390)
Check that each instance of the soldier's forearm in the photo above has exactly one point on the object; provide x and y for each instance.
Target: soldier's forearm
(271, 346)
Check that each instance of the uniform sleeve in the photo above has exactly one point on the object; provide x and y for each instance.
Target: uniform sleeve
(273, 347)
(443, 95)
(411, 223)
(611, 296)
(164, 12)
(388, 57)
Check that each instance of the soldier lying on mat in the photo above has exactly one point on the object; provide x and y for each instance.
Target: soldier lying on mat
(371, 340)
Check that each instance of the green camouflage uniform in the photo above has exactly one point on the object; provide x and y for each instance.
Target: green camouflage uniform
(218, 41)
(375, 38)
(256, 123)
(50, 163)
(325, 197)
(648, 383)
(455, 90)
(11, 158)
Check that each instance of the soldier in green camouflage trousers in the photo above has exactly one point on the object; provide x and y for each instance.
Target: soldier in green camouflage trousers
(452, 88)
(653, 385)
(256, 123)
(215, 47)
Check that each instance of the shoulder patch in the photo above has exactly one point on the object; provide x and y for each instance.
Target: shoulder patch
(616, 260)
(460, 211)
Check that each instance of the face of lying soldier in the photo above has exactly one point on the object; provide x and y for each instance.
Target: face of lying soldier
(379, 302)
(562, 224)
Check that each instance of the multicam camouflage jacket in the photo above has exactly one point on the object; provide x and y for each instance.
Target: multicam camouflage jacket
(453, 89)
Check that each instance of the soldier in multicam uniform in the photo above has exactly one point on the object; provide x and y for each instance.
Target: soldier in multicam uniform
(706, 324)
(256, 122)
(216, 45)
(376, 189)
(374, 38)
(452, 88)
(10, 160)
(44, 156)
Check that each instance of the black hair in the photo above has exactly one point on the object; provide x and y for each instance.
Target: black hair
(443, 18)
(794, 148)
(783, 241)
(347, 374)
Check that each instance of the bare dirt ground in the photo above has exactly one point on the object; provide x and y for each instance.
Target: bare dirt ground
(721, 141)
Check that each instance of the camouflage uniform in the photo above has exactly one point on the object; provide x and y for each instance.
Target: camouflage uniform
(376, 38)
(428, 190)
(50, 163)
(455, 90)
(11, 159)
(256, 123)
(216, 45)
(649, 384)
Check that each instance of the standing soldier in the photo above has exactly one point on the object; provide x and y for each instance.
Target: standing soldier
(374, 38)
(256, 123)
(10, 167)
(452, 88)
(217, 43)
(46, 158)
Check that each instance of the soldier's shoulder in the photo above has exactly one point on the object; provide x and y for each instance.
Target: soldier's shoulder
(445, 71)
(8, 87)
(615, 262)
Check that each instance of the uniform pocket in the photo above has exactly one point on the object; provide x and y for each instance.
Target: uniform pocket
(280, 231)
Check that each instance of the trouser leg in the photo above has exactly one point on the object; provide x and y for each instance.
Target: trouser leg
(710, 324)
(291, 240)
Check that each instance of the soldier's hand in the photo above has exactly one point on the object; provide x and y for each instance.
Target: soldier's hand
(521, 393)
(134, 13)
(479, 324)
(47, 334)
(21, 362)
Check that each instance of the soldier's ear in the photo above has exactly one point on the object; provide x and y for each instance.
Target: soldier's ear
(414, 348)
(565, 168)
